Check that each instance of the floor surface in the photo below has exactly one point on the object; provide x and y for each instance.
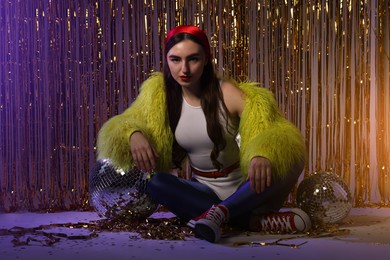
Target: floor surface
(364, 234)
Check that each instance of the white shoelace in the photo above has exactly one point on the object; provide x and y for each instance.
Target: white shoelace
(216, 214)
(281, 223)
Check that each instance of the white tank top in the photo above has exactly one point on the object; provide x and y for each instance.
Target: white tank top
(191, 134)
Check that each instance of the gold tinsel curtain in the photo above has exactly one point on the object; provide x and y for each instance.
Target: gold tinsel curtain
(67, 66)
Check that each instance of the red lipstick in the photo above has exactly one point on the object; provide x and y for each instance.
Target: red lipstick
(185, 78)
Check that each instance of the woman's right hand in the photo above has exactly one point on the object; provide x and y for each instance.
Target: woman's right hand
(143, 153)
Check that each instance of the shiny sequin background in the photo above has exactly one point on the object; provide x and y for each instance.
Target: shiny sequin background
(68, 66)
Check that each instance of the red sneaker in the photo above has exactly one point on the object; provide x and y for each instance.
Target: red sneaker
(295, 220)
(208, 225)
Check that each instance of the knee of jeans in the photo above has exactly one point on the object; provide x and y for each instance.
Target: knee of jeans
(156, 182)
(152, 183)
(298, 170)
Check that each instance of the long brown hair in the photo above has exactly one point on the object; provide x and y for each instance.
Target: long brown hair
(211, 102)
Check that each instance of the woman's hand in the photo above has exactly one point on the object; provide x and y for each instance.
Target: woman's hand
(259, 173)
(143, 154)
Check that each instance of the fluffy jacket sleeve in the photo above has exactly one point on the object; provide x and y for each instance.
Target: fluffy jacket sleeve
(147, 115)
(265, 132)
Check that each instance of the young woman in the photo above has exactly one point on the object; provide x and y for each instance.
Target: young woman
(188, 112)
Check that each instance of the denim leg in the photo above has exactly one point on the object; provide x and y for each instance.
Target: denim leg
(187, 199)
(245, 201)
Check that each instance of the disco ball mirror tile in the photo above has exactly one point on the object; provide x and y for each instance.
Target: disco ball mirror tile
(116, 193)
(324, 197)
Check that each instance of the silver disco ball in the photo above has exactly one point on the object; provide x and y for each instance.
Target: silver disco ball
(324, 197)
(119, 194)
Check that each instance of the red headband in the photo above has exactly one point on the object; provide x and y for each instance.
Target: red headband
(194, 31)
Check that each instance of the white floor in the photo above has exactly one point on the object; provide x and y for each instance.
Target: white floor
(367, 236)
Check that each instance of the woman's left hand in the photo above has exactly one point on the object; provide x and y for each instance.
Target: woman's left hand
(259, 173)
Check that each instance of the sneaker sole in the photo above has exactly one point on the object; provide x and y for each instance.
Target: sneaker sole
(204, 231)
(304, 217)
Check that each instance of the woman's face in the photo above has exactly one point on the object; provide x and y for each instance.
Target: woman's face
(186, 61)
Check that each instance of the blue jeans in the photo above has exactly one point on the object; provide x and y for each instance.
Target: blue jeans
(188, 199)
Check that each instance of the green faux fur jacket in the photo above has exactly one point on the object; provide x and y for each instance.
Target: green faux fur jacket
(263, 130)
